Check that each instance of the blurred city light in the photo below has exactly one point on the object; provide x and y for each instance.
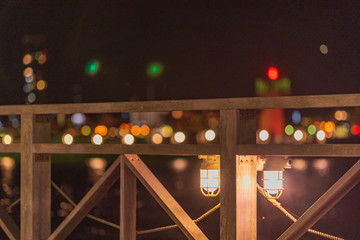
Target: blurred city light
(67, 139)
(157, 138)
(97, 139)
(210, 135)
(92, 67)
(155, 69)
(129, 139)
(7, 139)
(273, 73)
(289, 130)
(263, 135)
(179, 137)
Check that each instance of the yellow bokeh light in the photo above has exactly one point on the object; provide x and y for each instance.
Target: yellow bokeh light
(7, 139)
(135, 130)
(41, 85)
(157, 138)
(177, 114)
(67, 139)
(27, 59)
(124, 129)
(86, 130)
(7, 163)
(42, 59)
(166, 131)
(101, 130)
(28, 72)
(179, 137)
(97, 139)
(145, 130)
(329, 126)
(129, 139)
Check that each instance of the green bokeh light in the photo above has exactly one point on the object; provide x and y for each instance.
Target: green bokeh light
(92, 67)
(289, 130)
(311, 129)
(154, 69)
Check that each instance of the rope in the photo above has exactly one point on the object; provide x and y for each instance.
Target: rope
(175, 226)
(9, 209)
(57, 188)
(278, 205)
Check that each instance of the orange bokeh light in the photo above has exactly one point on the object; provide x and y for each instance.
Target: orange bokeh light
(135, 130)
(101, 130)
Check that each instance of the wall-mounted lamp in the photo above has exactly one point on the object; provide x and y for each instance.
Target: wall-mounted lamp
(273, 176)
(210, 175)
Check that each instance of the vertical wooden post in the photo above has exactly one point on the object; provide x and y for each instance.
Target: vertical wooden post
(127, 202)
(228, 140)
(238, 181)
(35, 170)
(246, 178)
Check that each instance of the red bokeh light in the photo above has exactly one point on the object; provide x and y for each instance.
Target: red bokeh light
(273, 73)
(356, 129)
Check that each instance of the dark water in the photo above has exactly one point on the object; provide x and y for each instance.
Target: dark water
(75, 174)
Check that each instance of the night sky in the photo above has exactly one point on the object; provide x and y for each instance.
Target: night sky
(209, 49)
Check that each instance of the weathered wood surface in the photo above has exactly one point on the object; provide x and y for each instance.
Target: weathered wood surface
(11, 148)
(326, 202)
(127, 202)
(312, 101)
(305, 150)
(164, 198)
(87, 203)
(8, 225)
(229, 123)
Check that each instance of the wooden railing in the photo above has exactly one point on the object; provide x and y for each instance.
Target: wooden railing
(237, 137)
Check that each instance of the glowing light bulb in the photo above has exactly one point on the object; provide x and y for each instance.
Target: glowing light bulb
(7, 139)
(273, 183)
(179, 137)
(97, 139)
(129, 139)
(67, 139)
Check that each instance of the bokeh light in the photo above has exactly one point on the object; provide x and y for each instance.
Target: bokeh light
(28, 72)
(210, 135)
(154, 69)
(311, 129)
(97, 139)
(179, 164)
(31, 97)
(92, 67)
(166, 131)
(42, 59)
(85, 130)
(298, 135)
(299, 164)
(355, 130)
(179, 137)
(67, 139)
(27, 59)
(177, 114)
(145, 130)
(97, 163)
(324, 49)
(320, 135)
(7, 139)
(289, 130)
(101, 130)
(135, 130)
(8, 163)
(124, 129)
(157, 138)
(296, 117)
(78, 119)
(329, 126)
(264, 135)
(129, 139)
(41, 85)
(273, 73)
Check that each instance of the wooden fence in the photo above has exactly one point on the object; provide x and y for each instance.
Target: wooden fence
(237, 137)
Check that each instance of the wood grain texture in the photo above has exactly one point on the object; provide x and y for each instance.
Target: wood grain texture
(229, 121)
(8, 225)
(127, 202)
(164, 198)
(87, 203)
(326, 202)
(298, 102)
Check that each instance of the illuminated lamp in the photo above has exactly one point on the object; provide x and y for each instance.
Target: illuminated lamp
(273, 176)
(210, 175)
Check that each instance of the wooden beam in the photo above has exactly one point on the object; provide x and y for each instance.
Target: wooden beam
(327, 201)
(8, 225)
(127, 202)
(229, 122)
(88, 202)
(164, 198)
(312, 101)
(143, 149)
(11, 148)
(35, 179)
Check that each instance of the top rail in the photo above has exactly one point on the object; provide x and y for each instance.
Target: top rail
(310, 101)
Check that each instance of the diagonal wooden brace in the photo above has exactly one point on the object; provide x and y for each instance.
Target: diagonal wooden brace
(88, 202)
(8, 225)
(164, 198)
(327, 201)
